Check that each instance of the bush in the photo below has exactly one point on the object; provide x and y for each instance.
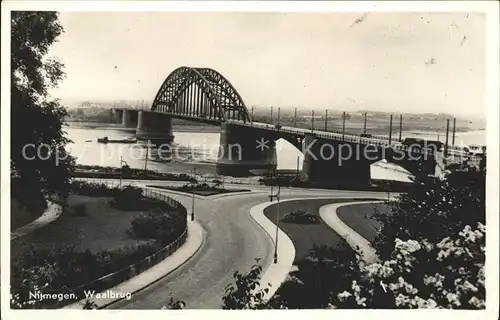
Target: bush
(63, 270)
(196, 186)
(165, 226)
(28, 196)
(300, 216)
(130, 198)
(92, 189)
(317, 275)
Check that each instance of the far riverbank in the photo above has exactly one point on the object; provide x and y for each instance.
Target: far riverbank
(118, 126)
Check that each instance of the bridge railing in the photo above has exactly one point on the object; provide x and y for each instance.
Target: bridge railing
(378, 141)
(338, 136)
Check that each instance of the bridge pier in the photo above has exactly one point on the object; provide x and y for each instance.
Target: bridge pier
(245, 151)
(117, 115)
(155, 127)
(336, 164)
(130, 118)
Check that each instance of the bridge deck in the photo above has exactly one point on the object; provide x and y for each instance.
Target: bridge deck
(375, 140)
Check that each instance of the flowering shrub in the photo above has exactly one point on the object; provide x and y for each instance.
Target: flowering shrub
(433, 209)
(449, 274)
(300, 216)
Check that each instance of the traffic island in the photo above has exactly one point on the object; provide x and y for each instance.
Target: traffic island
(202, 189)
(306, 234)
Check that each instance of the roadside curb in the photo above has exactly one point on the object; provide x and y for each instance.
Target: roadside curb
(194, 241)
(329, 215)
(52, 213)
(276, 273)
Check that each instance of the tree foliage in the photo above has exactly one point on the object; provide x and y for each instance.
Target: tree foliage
(38, 155)
(317, 277)
(245, 292)
(433, 209)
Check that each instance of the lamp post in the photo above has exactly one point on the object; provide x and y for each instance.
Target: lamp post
(400, 127)
(364, 125)
(453, 135)
(121, 170)
(192, 203)
(271, 197)
(390, 129)
(326, 120)
(277, 223)
(147, 156)
(295, 118)
(343, 125)
(447, 133)
(312, 121)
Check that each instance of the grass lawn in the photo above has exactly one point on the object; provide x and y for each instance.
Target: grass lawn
(200, 191)
(305, 236)
(359, 218)
(102, 227)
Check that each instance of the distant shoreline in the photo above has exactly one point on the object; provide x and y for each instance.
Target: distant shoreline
(118, 126)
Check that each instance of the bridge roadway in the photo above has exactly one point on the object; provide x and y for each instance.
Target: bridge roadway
(374, 140)
(232, 242)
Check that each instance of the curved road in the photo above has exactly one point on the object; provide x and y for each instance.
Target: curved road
(232, 242)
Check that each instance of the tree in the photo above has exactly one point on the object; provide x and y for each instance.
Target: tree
(39, 160)
(433, 209)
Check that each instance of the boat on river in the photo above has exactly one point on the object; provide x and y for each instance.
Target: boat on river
(107, 140)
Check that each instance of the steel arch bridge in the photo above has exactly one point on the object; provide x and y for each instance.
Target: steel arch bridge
(201, 93)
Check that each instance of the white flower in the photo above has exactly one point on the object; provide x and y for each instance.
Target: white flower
(470, 286)
(344, 295)
(477, 303)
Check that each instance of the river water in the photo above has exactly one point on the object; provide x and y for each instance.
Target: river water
(200, 150)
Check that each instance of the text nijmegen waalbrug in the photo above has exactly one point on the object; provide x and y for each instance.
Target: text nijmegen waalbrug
(90, 294)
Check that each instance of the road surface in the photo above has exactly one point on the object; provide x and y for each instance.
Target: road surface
(232, 242)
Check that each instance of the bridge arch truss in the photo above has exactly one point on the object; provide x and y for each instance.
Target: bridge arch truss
(201, 93)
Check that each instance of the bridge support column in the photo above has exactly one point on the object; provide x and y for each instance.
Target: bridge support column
(245, 151)
(156, 127)
(130, 118)
(334, 164)
(117, 115)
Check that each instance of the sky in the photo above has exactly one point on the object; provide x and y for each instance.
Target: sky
(395, 62)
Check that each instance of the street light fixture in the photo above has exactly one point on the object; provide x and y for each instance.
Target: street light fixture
(271, 197)
(121, 169)
(192, 204)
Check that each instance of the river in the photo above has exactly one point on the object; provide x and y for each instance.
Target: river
(200, 149)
